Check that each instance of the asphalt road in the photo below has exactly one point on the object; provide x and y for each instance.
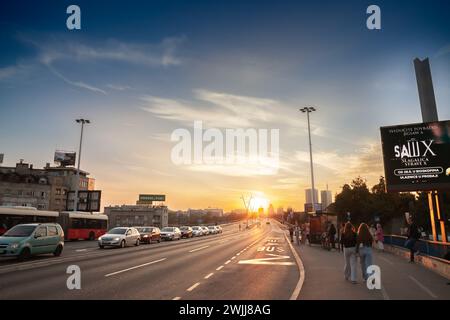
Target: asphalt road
(250, 264)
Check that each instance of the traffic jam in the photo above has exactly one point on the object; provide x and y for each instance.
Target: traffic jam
(26, 232)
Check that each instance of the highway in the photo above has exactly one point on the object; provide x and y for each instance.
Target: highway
(251, 264)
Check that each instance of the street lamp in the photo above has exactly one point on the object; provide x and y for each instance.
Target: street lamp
(77, 185)
(308, 110)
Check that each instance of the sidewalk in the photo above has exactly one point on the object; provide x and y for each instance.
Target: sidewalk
(324, 278)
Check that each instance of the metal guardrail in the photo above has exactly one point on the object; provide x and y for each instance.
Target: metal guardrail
(430, 248)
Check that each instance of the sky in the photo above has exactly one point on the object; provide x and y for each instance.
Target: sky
(141, 69)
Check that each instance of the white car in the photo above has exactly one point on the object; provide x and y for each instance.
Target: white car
(197, 231)
(120, 237)
(205, 230)
(170, 233)
(213, 230)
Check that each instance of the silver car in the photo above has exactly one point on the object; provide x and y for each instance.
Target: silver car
(170, 233)
(120, 237)
(205, 230)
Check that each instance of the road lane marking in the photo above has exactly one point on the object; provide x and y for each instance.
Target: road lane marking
(237, 254)
(301, 270)
(136, 267)
(198, 249)
(219, 268)
(209, 275)
(423, 287)
(228, 262)
(193, 287)
(177, 298)
(269, 261)
(233, 258)
(81, 250)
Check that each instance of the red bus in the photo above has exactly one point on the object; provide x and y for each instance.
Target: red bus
(11, 216)
(83, 225)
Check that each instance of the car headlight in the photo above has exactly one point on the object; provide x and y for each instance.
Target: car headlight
(14, 245)
(145, 235)
(116, 239)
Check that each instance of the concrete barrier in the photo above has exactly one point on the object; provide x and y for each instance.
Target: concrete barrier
(440, 266)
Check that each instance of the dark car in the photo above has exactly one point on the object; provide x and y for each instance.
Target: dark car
(149, 234)
(186, 232)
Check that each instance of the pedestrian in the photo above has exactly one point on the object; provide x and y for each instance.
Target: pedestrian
(297, 234)
(240, 226)
(364, 242)
(291, 232)
(412, 236)
(332, 235)
(348, 241)
(379, 237)
(373, 230)
(341, 232)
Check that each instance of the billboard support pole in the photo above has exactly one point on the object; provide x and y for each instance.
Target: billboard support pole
(440, 218)
(432, 217)
(429, 114)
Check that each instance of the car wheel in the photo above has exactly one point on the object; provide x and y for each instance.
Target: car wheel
(101, 247)
(159, 240)
(24, 254)
(91, 236)
(122, 244)
(137, 243)
(58, 251)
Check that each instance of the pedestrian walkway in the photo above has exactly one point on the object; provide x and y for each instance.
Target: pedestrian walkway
(324, 278)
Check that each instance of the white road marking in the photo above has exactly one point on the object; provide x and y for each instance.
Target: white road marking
(269, 261)
(423, 287)
(233, 258)
(132, 268)
(219, 268)
(228, 262)
(209, 275)
(81, 250)
(176, 298)
(198, 249)
(237, 254)
(193, 287)
(301, 269)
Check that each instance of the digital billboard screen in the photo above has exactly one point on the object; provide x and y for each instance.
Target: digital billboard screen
(417, 156)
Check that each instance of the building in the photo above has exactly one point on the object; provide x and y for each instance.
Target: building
(44, 189)
(308, 196)
(326, 199)
(137, 215)
(213, 212)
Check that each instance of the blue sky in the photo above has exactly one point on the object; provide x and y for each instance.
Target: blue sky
(140, 69)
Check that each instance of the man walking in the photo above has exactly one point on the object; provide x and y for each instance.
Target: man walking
(413, 235)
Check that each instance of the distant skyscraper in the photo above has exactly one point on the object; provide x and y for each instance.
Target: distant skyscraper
(326, 198)
(308, 196)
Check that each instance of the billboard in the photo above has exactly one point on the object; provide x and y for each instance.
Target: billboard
(65, 158)
(88, 200)
(149, 198)
(417, 156)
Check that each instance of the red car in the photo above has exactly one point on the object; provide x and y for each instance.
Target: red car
(149, 234)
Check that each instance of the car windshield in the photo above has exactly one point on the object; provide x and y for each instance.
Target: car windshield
(117, 231)
(211, 227)
(184, 228)
(144, 230)
(195, 228)
(20, 231)
(167, 229)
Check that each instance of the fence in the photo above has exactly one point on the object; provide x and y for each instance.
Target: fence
(430, 248)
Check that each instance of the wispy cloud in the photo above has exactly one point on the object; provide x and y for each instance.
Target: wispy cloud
(12, 71)
(78, 84)
(220, 110)
(118, 87)
(161, 54)
(443, 51)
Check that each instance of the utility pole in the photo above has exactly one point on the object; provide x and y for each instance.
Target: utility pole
(77, 185)
(308, 110)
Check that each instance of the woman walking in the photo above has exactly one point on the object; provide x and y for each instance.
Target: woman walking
(348, 241)
(364, 242)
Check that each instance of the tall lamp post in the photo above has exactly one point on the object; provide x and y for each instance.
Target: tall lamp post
(77, 185)
(308, 110)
